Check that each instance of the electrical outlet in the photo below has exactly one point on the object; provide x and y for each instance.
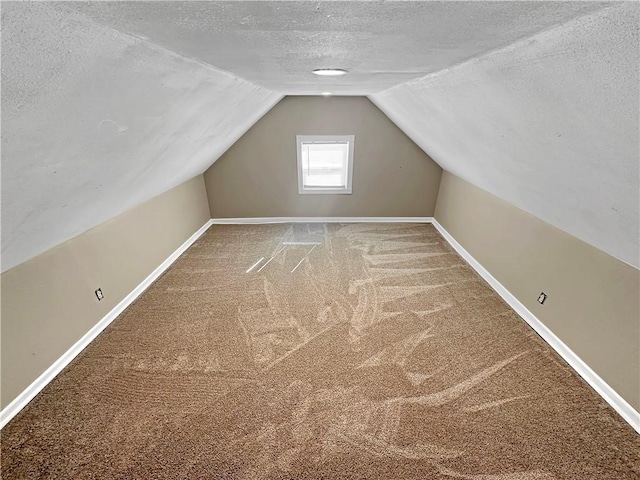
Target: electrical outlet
(99, 294)
(541, 298)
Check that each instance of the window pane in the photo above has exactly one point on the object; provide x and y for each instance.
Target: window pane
(325, 164)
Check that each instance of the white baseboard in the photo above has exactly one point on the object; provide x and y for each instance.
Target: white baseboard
(256, 220)
(618, 403)
(627, 412)
(50, 373)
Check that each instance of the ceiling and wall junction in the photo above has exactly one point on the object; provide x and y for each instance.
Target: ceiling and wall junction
(106, 105)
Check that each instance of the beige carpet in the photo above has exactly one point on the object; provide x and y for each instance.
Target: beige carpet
(356, 351)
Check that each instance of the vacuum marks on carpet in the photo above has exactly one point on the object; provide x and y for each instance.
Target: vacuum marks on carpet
(353, 351)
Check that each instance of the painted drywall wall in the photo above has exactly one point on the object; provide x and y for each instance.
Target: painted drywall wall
(257, 176)
(549, 124)
(94, 122)
(593, 302)
(48, 302)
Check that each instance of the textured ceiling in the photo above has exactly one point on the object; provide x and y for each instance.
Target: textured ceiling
(549, 124)
(107, 104)
(94, 122)
(278, 44)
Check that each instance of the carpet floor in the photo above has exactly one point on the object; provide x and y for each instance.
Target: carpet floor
(349, 351)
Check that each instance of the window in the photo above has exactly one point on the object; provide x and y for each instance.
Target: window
(325, 163)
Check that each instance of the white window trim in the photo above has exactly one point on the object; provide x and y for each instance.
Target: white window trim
(300, 139)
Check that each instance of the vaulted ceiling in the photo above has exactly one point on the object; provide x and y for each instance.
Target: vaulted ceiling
(107, 104)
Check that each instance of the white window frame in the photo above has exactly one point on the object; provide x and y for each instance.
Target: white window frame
(300, 139)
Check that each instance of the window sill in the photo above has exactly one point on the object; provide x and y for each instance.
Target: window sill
(324, 191)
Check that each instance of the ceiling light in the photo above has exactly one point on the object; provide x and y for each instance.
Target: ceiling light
(330, 72)
(325, 94)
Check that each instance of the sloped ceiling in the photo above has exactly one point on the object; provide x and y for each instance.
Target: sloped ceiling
(95, 122)
(107, 104)
(278, 44)
(549, 124)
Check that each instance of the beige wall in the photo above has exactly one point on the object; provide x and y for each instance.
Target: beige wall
(257, 177)
(593, 302)
(48, 302)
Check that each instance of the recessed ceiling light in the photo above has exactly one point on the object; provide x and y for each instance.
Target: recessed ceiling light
(325, 94)
(330, 72)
